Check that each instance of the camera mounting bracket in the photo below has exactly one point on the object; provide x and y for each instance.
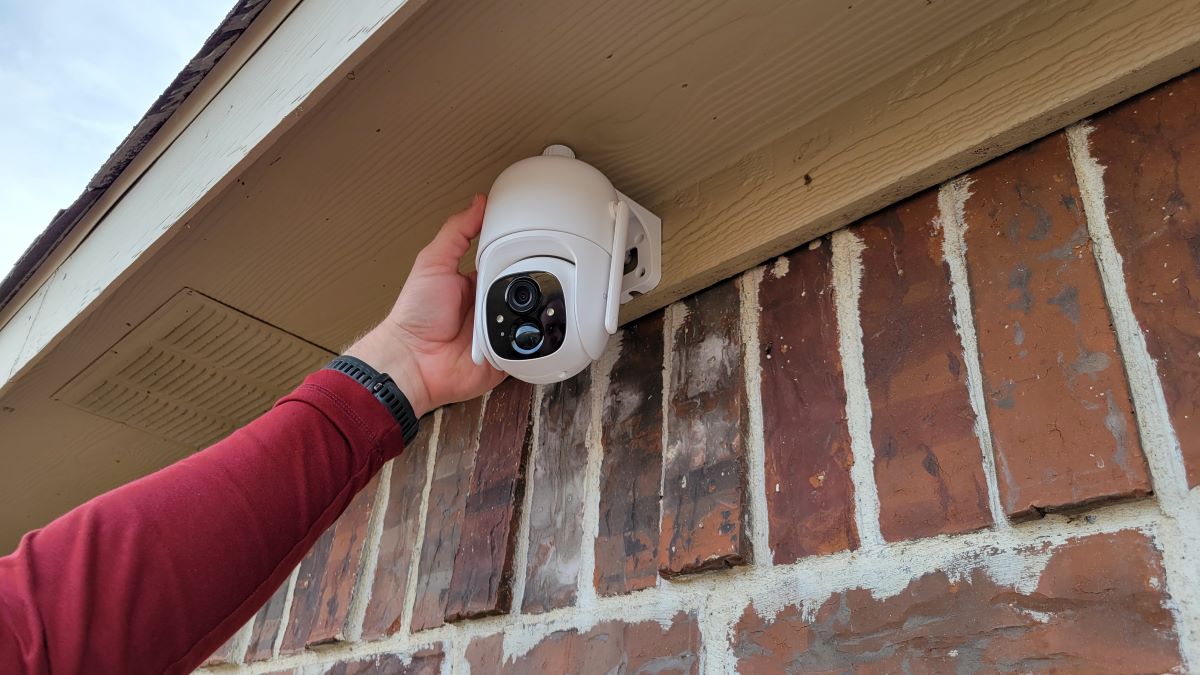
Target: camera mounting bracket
(636, 265)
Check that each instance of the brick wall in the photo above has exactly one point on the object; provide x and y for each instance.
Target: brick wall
(962, 433)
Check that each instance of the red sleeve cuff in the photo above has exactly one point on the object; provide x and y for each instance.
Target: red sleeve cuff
(358, 415)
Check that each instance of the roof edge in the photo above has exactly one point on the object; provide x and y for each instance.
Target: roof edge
(210, 54)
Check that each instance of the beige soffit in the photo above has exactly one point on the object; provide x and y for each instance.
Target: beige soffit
(193, 371)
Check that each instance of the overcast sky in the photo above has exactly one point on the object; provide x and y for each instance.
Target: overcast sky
(76, 76)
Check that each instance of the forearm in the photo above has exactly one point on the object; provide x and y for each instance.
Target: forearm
(153, 576)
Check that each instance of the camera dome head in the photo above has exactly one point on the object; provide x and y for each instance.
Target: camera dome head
(552, 266)
(550, 193)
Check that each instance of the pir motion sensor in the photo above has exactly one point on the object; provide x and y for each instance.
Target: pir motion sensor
(561, 249)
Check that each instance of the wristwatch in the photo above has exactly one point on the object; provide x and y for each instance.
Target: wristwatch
(384, 388)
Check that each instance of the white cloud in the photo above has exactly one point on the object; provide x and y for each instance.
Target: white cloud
(76, 76)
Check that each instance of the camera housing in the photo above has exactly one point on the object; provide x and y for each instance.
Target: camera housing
(561, 249)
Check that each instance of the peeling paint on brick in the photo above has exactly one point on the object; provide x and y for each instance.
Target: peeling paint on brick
(557, 475)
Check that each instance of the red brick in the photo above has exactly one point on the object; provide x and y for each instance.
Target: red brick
(424, 662)
(1150, 147)
(484, 654)
(1099, 606)
(266, 627)
(1057, 400)
(556, 507)
(482, 581)
(609, 647)
(810, 499)
(704, 519)
(327, 576)
(401, 520)
(928, 460)
(627, 541)
(455, 457)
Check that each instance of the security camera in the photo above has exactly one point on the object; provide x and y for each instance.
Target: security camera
(560, 250)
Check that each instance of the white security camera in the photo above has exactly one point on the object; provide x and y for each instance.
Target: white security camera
(560, 250)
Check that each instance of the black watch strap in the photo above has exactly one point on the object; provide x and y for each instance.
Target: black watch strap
(384, 388)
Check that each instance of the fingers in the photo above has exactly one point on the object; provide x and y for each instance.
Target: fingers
(453, 240)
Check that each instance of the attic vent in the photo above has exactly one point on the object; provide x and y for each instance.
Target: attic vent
(193, 371)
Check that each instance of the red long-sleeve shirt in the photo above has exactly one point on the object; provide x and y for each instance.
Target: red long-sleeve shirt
(155, 575)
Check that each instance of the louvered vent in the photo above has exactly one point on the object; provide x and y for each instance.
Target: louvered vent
(193, 371)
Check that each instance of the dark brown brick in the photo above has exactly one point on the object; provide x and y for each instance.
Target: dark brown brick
(810, 499)
(1062, 427)
(327, 576)
(401, 520)
(482, 581)
(424, 662)
(455, 456)
(704, 520)
(556, 507)
(1099, 606)
(928, 461)
(266, 627)
(627, 541)
(609, 647)
(1150, 147)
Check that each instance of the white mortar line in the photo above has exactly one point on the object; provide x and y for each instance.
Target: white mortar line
(286, 613)
(240, 642)
(673, 317)
(1154, 423)
(414, 567)
(601, 373)
(521, 552)
(455, 660)
(952, 198)
(1012, 557)
(756, 473)
(1181, 540)
(365, 582)
(717, 619)
(847, 288)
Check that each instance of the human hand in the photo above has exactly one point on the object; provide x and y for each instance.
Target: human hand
(425, 341)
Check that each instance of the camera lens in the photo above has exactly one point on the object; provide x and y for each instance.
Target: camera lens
(522, 295)
(527, 338)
